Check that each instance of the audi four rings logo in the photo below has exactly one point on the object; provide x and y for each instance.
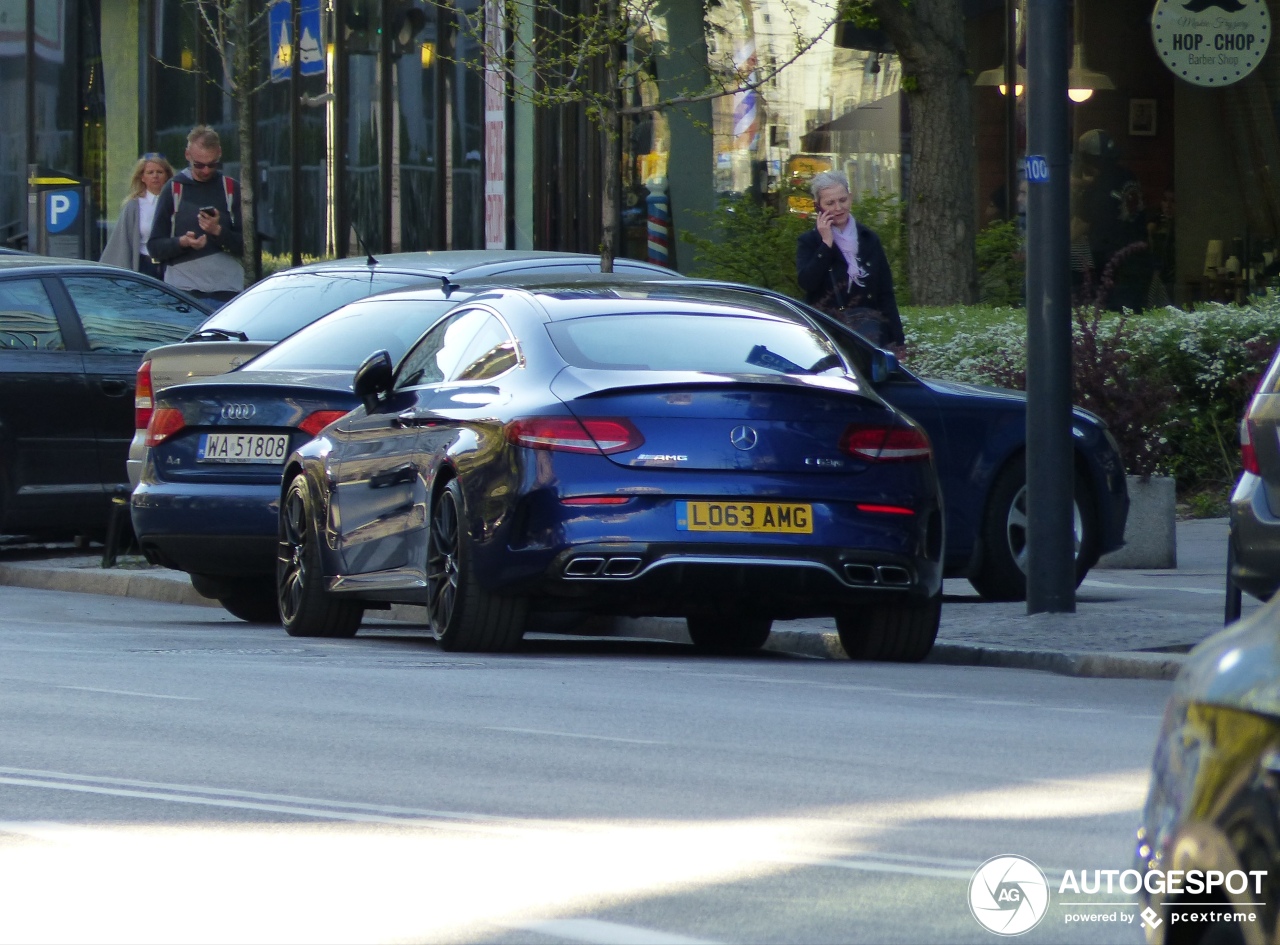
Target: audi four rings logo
(744, 438)
(237, 411)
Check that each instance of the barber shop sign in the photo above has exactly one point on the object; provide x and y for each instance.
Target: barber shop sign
(1211, 42)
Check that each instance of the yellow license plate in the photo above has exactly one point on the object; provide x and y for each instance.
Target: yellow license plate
(786, 518)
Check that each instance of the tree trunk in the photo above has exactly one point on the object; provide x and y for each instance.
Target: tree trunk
(611, 153)
(245, 82)
(610, 182)
(941, 213)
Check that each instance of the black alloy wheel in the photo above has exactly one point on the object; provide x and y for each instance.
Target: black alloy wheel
(306, 608)
(253, 601)
(1002, 574)
(460, 614)
(1235, 597)
(728, 633)
(900, 631)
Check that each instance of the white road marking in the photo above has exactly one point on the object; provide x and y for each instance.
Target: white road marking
(245, 800)
(874, 866)
(1091, 582)
(601, 738)
(597, 932)
(36, 829)
(126, 692)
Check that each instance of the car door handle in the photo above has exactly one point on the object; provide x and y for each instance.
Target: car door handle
(412, 419)
(405, 472)
(115, 388)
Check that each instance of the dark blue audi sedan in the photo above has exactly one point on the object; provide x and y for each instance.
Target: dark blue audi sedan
(617, 450)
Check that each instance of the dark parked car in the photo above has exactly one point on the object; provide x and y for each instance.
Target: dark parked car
(71, 337)
(587, 448)
(287, 301)
(979, 438)
(1253, 550)
(208, 499)
(1209, 844)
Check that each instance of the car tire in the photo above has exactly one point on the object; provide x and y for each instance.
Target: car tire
(731, 633)
(901, 631)
(305, 607)
(461, 615)
(251, 601)
(1235, 597)
(1000, 575)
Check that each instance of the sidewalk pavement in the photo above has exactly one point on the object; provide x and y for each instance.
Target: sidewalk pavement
(1128, 624)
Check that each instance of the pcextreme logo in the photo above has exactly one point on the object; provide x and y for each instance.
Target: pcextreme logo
(1008, 895)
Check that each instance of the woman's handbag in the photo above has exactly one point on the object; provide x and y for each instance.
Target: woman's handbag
(870, 323)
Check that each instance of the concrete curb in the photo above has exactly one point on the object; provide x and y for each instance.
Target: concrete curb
(169, 587)
(143, 585)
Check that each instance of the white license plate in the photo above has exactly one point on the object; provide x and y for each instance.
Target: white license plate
(243, 448)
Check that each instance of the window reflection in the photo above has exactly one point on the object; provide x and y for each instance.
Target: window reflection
(26, 318)
(125, 316)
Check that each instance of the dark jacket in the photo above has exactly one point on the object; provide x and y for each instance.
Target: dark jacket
(823, 274)
(163, 245)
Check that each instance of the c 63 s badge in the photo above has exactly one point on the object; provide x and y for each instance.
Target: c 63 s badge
(823, 461)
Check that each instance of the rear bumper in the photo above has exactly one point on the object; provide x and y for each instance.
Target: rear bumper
(617, 565)
(208, 529)
(637, 579)
(1255, 539)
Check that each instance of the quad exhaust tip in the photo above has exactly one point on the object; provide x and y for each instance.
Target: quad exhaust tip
(589, 566)
(884, 575)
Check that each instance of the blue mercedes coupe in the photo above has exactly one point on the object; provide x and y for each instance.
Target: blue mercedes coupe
(614, 450)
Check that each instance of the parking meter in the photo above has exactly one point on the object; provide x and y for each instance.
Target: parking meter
(58, 213)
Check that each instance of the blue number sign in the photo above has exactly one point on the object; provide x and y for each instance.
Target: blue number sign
(1037, 169)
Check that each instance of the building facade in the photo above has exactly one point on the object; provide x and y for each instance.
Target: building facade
(379, 129)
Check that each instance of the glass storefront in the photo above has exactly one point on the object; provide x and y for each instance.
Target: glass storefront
(835, 108)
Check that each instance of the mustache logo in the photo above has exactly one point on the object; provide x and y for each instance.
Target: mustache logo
(1199, 6)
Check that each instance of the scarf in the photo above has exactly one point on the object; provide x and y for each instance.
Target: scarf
(846, 241)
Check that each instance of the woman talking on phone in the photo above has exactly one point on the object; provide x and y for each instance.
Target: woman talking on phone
(842, 268)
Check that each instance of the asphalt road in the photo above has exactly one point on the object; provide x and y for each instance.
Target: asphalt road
(170, 774)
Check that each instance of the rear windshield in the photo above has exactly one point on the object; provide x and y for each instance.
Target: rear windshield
(278, 306)
(716, 344)
(341, 341)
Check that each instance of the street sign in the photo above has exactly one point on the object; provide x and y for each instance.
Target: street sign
(309, 50)
(1037, 169)
(61, 209)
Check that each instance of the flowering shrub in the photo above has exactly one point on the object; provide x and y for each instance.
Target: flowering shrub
(1192, 372)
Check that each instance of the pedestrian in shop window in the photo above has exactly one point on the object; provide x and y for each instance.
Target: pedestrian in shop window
(842, 267)
(197, 229)
(1110, 216)
(127, 245)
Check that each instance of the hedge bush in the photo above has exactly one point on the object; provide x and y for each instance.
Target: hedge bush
(1185, 377)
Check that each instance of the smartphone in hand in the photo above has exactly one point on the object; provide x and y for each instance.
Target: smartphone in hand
(209, 211)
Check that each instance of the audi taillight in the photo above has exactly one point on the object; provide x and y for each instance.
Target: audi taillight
(317, 421)
(885, 444)
(570, 435)
(142, 402)
(1248, 456)
(164, 423)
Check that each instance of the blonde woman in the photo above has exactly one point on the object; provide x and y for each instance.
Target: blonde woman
(127, 246)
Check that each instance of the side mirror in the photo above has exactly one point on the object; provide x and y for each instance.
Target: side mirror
(884, 364)
(373, 379)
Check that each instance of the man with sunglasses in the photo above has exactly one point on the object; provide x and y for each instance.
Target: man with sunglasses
(196, 233)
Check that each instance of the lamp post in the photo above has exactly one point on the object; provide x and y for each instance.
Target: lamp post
(1051, 579)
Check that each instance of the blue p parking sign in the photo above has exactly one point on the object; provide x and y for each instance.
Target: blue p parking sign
(61, 209)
